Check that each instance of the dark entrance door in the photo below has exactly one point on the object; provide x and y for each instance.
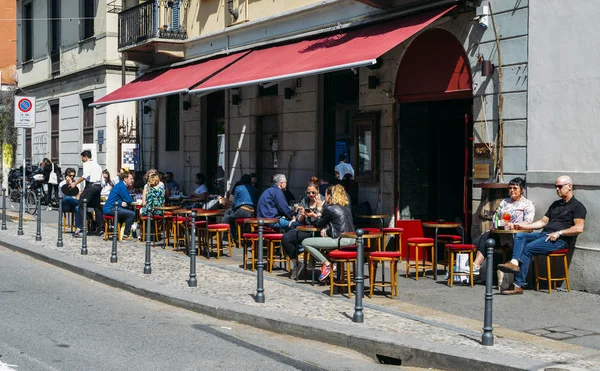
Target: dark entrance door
(435, 160)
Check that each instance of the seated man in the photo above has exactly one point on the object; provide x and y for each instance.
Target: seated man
(70, 201)
(120, 194)
(172, 185)
(563, 221)
(245, 197)
(272, 203)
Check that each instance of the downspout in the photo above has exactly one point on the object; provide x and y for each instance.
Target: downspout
(234, 12)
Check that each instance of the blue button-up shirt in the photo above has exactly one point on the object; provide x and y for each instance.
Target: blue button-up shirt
(245, 194)
(272, 204)
(119, 194)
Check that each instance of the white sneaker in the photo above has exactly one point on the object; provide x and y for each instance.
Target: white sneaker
(476, 270)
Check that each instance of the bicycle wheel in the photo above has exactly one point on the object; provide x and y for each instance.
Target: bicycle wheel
(30, 203)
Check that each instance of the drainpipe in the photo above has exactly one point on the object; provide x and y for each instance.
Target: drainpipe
(234, 12)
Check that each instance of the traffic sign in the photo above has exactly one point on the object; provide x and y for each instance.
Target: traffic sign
(24, 112)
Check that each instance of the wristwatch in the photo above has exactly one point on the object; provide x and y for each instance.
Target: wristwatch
(560, 233)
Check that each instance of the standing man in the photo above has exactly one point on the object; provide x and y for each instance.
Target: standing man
(120, 194)
(344, 168)
(563, 221)
(272, 203)
(92, 174)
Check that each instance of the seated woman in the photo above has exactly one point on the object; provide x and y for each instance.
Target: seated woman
(335, 219)
(153, 196)
(107, 184)
(200, 195)
(520, 210)
(311, 204)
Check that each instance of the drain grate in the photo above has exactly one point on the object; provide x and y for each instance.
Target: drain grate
(561, 332)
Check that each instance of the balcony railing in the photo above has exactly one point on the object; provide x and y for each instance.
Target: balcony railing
(153, 19)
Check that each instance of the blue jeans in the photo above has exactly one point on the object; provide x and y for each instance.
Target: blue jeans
(527, 245)
(124, 214)
(70, 203)
(283, 225)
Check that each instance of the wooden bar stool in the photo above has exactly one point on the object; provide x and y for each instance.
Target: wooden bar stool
(460, 249)
(217, 231)
(250, 242)
(418, 243)
(562, 253)
(272, 239)
(157, 219)
(109, 222)
(368, 241)
(69, 221)
(391, 232)
(446, 239)
(346, 261)
(393, 257)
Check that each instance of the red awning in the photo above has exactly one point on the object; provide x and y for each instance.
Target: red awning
(348, 49)
(168, 81)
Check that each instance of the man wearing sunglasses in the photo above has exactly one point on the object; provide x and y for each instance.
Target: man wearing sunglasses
(563, 221)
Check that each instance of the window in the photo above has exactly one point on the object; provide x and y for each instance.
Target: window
(365, 142)
(54, 134)
(28, 32)
(88, 12)
(54, 42)
(172, 123)
(88, 120)
(28, 145)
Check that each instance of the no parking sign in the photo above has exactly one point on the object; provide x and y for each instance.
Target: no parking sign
(24, 112)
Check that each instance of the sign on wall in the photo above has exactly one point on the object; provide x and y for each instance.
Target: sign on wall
(24, 112)
(129, 156)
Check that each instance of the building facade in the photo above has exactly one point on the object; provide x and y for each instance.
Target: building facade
(468, 96)
(67, 57)
(8, 43)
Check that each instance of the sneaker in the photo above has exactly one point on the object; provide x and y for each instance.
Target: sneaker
(77, 234)
(127, 239)
(294, 273)
(476, 270)
(325, 271)
(299, 268)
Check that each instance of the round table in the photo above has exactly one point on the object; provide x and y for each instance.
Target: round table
(510, 231)
(375, 216)
(437, 226)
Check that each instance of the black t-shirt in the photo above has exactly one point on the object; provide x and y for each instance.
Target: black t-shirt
(562, 214)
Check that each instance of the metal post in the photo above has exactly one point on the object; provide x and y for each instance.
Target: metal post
(4, 209)
(115, 239)
(38, 216)
(84, 250)
(488, 337)
(260, 266)
(59, 242)
(193, 282)
(23, 189)
(359, 316)
(147, 266)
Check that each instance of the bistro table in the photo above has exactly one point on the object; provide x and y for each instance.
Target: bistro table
(437, 226)
(381, 217)
(312, 230)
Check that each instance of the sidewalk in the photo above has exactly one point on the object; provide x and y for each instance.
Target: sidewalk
(420, 335)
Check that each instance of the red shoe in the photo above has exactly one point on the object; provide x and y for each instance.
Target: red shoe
(325, 271)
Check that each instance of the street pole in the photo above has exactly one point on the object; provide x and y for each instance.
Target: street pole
(147, 265)
(59, 242)
(193, 282)
(84, 250)
(359, 316)
(4, 209)
(38, 216)
(23, 189)
(488, 336)
(113, 255)
(260, 266)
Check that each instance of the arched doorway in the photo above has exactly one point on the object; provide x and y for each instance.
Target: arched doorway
(435, 95)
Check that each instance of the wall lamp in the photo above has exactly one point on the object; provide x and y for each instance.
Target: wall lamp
(487, 68)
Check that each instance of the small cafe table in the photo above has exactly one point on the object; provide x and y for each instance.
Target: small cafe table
(437, 226)
(381, 217)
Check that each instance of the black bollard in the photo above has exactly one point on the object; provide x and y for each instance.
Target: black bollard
(260, 266)
(38, 215)
(84, 250)
(193, 282)
(147, 266)
(21, 208)
(113, 255)
(4, 209)
(488, 336)
(59, 242)
(359, 316)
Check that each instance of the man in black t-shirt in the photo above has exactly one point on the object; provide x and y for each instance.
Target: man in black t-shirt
(563, 221)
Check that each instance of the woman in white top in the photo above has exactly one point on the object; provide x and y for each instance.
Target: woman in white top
(107, 184)
(201, 192)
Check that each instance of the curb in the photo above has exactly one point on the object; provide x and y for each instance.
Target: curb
(410, 351)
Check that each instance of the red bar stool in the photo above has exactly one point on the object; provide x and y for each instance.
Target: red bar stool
(109, 221)
(345, 260)
(393, 257)
(446, 239)
(460, 248)
(217, 231)
(157, 219)
(391, 232)
(562, 253)
(250, 239)
(69, 221)
(418, 243)
(272, 239)
(370, 230)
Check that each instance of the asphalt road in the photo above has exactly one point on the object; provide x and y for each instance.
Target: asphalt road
(51, 319)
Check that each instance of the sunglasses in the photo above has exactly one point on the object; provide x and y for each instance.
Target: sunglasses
(559, 186)
(311, 193)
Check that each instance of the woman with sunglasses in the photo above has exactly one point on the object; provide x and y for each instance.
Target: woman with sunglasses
(513, 209)
(307, 212)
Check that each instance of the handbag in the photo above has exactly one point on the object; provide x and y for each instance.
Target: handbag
(53, 178)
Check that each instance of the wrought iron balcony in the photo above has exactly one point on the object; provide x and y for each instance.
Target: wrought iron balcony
(162, 19)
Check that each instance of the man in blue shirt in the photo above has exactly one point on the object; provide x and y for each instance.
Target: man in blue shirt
(120, 194)
(245, 197)
(273, 204)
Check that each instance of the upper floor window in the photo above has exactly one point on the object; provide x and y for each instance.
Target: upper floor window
(54, 134)
(88, 12)
(54, 35)
(88, 120)
(27, 31)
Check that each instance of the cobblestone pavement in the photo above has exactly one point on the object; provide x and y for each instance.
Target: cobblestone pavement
(225, 280)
